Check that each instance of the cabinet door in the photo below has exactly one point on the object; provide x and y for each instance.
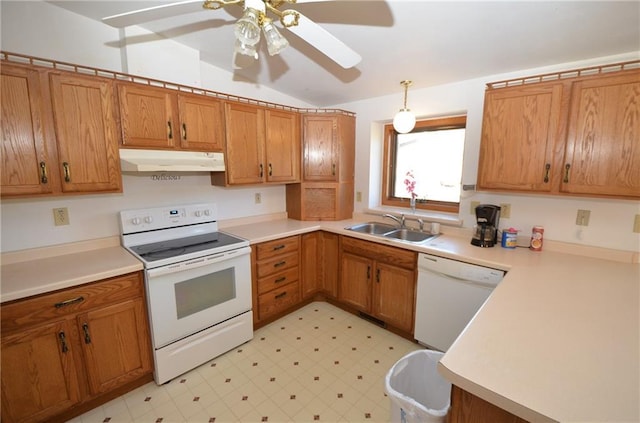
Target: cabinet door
(329, 268)
(148, 116)
(394, 295)
(201, 123)
(86, 128)
(116, 344)
(520, 131)
(28, 149)
(39, 377)
(282, 147)
(311, 264)
(603, 143)
(245, 141)
(355, 281)
(320, 148)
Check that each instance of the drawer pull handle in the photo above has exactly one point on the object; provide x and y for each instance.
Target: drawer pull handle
(282, 279)
(43, 173)
(278, 247)
(284, 294)
(546, 173)
(67, 172)
(63, 342)
(280, 263)
(87, 337)
(69, 302)
(566, 173)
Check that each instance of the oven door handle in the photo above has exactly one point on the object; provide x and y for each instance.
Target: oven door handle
(199, 262)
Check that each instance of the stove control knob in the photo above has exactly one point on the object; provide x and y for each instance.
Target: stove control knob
(148, 219)
(136, 221)
(207, 212)
(198, 213)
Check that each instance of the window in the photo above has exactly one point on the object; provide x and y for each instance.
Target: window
(430, 156)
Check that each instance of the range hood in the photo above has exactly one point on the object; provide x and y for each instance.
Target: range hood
(132, 160)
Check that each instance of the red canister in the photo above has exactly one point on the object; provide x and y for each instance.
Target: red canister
(536, 238)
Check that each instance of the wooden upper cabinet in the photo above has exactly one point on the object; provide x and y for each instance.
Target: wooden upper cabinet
(201, 123)
(262, 146)
(603, 143)
(85, 119)
(28, 146)
(519, 135)
(147, 115)
(577, 136)
(244, 159)
(320, 134)
(282, 146)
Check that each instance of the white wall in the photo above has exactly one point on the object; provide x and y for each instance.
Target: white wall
(611, 223)
(42, 30)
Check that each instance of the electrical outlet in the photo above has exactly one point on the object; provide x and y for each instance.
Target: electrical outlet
(474, 204)
(258, 198)
(505, 210)
(636, 224)
(61, 216)
(582, 218)
(359, 196)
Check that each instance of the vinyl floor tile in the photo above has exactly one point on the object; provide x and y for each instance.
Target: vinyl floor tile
(317, 364)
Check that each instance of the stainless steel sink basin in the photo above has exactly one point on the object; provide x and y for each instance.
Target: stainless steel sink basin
(409, 235)
(392, 232)
(372, 228)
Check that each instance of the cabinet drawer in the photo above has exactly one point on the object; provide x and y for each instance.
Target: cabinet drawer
(277, 264)
(279, 300)
(31, 311)
(277, 247)
(392, 255)
(277, 280)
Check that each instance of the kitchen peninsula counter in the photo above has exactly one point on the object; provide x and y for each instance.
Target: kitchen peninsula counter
(41, 270)
(559, 338)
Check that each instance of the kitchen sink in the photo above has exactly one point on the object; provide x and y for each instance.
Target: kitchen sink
(392, 232)
(372, 228)
(409, 235)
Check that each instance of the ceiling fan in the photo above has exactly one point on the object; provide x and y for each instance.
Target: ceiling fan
(247, 28)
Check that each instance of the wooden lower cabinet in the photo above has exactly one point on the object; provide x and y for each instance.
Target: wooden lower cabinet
(468, 408)
(379, 280)
(319, 264)
(276, 274)
(62, 350)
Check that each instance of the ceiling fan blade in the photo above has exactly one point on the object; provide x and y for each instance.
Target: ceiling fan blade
(153, 13)
(326, 43)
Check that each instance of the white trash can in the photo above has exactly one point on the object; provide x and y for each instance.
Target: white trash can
(417, 392)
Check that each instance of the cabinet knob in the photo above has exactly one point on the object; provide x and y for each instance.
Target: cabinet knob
(43, 173)
(67, 172)
(566, 173)
(546, 173)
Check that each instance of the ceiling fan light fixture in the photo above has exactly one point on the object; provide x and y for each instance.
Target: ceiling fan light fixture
(246, 49)
(404, 121)
(275, 41)
(247, 28)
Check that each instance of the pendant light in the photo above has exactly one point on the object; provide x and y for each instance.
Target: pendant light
(405, 120)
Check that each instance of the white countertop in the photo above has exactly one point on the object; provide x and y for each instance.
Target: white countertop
(42, 270)
(558, 340)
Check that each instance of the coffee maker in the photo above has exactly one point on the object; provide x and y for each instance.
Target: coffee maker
(486, 229)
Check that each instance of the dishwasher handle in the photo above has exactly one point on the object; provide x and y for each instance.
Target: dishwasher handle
(459, 270)
(488, 285)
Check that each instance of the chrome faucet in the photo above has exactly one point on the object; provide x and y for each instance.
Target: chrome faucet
(399, 220)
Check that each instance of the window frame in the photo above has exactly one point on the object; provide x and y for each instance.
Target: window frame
(388, 164)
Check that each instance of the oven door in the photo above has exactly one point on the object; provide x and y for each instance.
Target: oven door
(187, 297)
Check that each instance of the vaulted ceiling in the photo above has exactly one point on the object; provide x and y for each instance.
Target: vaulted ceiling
(429, 42)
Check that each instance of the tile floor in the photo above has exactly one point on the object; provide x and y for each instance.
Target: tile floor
(319, 363)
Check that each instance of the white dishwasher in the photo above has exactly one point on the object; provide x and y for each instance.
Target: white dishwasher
(449, 294)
